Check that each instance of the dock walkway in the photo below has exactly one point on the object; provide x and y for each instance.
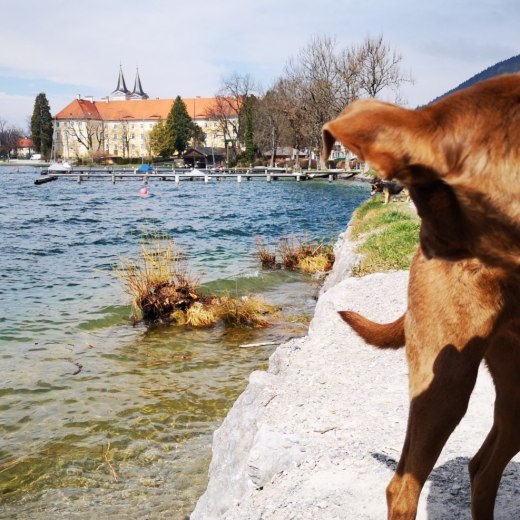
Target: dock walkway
(80, 174)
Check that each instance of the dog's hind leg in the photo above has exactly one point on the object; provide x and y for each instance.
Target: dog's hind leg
(448, 327)
(503, 441)
(440, 386)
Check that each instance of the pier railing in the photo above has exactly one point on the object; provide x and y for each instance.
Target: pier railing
(80, 174)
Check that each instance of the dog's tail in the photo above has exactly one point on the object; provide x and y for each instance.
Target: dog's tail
(382, 335)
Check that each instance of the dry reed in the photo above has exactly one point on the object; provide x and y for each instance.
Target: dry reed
(299, 254)
(159, 284)
(248, 310)
(107, 460)
(266, 257)
(162, 291)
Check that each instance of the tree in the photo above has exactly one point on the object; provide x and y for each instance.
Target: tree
(280, 119)
(180, 126)
(198, 136)
(247, 114)
(380, 67)
(324, 80)
(317, 86)
(41, 126)
(227, 110)
(9, 136)
(148, 146)
(160, 141)
(88, 133)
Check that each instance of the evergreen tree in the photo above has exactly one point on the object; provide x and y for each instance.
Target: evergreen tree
(41, 126)
(179, 126)
(249, 153)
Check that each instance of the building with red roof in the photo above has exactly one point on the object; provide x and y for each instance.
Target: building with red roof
(24, 148)
(119, 125)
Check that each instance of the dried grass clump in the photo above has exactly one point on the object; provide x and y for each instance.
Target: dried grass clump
(297, 254)
(199, 315)
(248, 310)
(159, 284)
(315, 264)
(290, 252)
(162, 291)
(266, 258)
(320, 260)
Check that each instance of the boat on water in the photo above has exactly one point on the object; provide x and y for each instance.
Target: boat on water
(60, 166)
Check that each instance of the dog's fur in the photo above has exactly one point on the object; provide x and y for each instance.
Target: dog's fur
(389, 189)
(460, 159)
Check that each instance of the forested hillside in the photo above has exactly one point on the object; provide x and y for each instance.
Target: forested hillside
(503, 67)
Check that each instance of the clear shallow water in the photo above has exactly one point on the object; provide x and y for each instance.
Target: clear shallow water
(101, 418)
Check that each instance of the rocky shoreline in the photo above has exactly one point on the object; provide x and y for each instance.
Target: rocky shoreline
(317, 435)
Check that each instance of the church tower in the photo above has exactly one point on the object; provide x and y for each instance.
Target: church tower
(121, 92)
(138, 92)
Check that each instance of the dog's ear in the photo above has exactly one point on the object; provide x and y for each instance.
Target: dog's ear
(386, 136)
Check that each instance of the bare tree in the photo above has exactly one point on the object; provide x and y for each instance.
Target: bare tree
(226, 125)
(323, 80)
(295, 132)
(88, 133)
(380, 68)
(318, 80)
(269, 121)
(228, 107)
(148, 145)
(9, 136)
(124, 135)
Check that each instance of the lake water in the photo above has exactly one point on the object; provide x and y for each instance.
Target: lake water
(103, 419)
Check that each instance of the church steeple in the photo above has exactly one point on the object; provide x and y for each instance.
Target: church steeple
(121, 92)
(138, 92)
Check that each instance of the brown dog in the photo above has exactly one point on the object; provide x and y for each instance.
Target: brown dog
(460, 159)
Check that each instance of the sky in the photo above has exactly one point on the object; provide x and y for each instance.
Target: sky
(69, 47)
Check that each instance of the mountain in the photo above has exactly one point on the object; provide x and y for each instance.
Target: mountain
(508, 66)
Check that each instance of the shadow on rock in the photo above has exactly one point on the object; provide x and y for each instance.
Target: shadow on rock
(450, 490)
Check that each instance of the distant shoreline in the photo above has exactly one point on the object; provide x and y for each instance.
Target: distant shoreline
(25, 162)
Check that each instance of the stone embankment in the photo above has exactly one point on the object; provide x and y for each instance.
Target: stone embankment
(317, 436)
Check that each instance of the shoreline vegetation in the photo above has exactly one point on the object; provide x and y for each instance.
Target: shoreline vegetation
(296, 254)
(163, 290)
(386, 236)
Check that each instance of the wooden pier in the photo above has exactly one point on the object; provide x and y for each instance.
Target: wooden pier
(114, 175)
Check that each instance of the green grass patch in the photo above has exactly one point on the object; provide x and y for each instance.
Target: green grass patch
(388, 236)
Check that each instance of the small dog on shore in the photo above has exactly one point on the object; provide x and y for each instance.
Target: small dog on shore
(389, 189)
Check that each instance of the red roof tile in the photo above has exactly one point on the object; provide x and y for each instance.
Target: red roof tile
(25, 142)
(139, 109)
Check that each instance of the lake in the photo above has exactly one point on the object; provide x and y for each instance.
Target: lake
(101, 418)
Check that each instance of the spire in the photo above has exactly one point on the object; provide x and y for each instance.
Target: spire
(138, 92)
(121, 92)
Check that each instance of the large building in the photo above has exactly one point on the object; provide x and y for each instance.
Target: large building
(119, 125)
